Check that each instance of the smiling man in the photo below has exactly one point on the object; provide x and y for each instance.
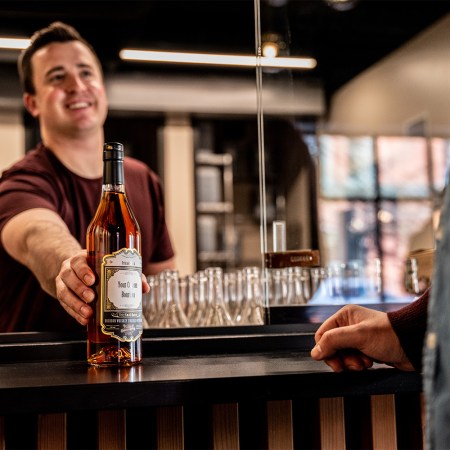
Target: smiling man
(49, 197)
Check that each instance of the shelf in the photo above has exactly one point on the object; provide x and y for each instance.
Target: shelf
(215, 207)
(213, 159)
(216, 256)
(215, 235)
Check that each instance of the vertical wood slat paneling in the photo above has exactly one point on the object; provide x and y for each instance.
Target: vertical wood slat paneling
(332, 423)
(112, 430)
(169, 428)
(280, 434)
(384, 432)
(52, 432)
(2, 433)
(225, 426)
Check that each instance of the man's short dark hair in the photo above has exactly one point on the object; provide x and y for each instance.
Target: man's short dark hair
(55, 32)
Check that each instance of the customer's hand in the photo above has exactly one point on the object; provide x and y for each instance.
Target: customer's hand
(355, 337)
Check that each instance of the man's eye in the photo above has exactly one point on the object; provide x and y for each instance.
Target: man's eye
(56, 78)
(86, 73)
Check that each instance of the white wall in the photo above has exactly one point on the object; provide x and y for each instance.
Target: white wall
(12, 137)
(411, 83)
(179, 185)
(212, 95)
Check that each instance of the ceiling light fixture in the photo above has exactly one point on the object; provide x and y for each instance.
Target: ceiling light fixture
(270, 49)
(273, 45)
(216, 59)
(14, 43)
(342, 5)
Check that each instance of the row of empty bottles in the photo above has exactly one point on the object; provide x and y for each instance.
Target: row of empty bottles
(337, 282)
(207, 298)
(214, 297)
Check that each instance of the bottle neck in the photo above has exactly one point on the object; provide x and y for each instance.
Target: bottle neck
(113, 179)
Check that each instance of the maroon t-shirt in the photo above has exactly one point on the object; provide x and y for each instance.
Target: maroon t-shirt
(40, 180)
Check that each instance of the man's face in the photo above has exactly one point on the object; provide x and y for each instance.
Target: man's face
(70, 95)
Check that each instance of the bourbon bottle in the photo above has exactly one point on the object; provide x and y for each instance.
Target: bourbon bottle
(114, 254)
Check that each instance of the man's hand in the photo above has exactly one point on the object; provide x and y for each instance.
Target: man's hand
(355, 337)
(73, 287)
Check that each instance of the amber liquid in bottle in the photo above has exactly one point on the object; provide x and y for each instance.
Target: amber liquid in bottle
(114, 246)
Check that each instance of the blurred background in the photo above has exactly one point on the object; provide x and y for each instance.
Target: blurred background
(352, 154)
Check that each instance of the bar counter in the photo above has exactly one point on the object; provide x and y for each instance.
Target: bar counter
(224, 388)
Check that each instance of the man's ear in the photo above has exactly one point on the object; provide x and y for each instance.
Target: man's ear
(29, 101)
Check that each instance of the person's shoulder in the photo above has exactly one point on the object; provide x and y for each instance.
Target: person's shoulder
(131, 163)
(137, 167)
(36, 160)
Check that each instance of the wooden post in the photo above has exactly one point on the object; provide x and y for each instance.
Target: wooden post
(169, 428)
(112, 430)
(384, 432)
(332, 423)
(280, 434)
(225, 424)
(52, 432)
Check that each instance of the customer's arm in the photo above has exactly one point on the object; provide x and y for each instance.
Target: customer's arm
(410, 325)
(355, 337)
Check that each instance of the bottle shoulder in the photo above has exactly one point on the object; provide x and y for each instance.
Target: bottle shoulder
(114, 212)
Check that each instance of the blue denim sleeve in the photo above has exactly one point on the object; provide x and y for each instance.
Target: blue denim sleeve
(436, 361)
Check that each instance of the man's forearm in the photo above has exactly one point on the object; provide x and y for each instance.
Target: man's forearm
(47, 246)
(41, 241)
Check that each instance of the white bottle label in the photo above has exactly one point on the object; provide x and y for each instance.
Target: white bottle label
(121, 295)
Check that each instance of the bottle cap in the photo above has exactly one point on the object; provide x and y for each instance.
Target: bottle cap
(113, 151)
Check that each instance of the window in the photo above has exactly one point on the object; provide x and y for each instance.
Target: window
(377, 199)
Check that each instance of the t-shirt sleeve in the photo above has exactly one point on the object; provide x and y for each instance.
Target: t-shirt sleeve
(410, 325)
(21, 190)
